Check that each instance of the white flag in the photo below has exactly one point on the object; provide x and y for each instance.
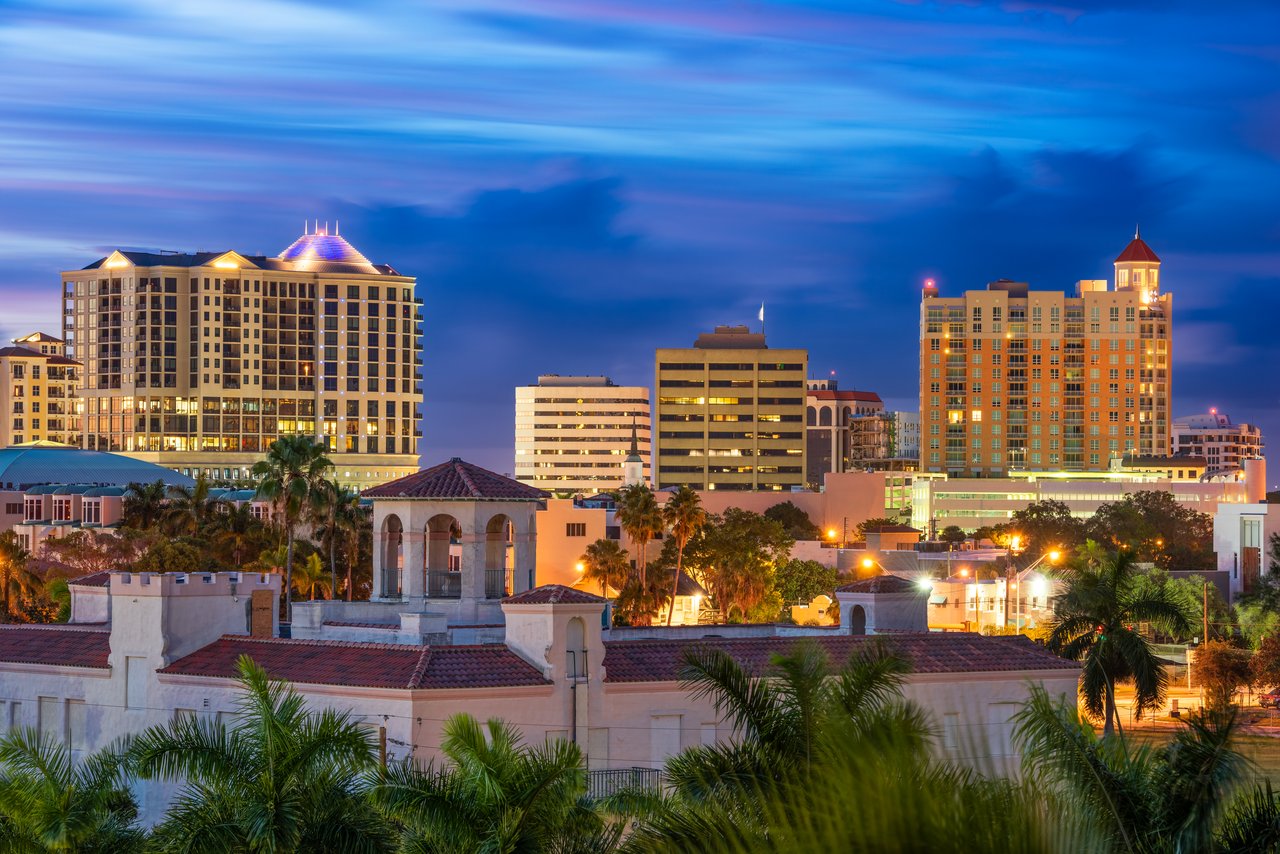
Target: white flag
(762, 312)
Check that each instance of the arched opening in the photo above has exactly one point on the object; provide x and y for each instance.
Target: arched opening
(498, 557)
(576, 649)
(857, 620)
(443, 569)
(846, 416)
(824, 416)
(392, 538)
(811, 416)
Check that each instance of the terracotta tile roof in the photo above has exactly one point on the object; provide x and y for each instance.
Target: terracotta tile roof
(883, 584)
(96, 579)
(950, 652)
(364, 665)
(1137, 250)
(842, 394)
(457, 479)
(57, 644)
(552, 594)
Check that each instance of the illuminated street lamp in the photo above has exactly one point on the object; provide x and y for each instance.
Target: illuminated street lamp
(1052, 556)
(581, 567)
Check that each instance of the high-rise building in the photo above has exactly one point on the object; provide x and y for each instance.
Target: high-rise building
(38, 392)
(1224, 445)
(844, 430)
(904, 435)
(573, 434)
(1013, 379)
(198, 361)
(730, 413)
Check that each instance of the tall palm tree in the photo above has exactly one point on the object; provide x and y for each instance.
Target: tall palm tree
(354, 528)
(605, 562)
(50, 802)
(191, 510)
(237, 532)
(290, 475)
(16, 581)
(639, 515)
(1095, 622)
(145, 505)
(331, 501)
(495, 794)
(281, 779)
(684, 516)
(311, 579)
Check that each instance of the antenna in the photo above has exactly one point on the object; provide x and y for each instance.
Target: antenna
(304, 228)
(336, 232)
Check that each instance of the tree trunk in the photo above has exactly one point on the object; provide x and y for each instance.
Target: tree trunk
(333, 565)
(288, 577)
(675, 585)
(350, 584)
(1108, 724)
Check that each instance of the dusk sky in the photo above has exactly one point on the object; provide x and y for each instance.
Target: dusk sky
(577, 183)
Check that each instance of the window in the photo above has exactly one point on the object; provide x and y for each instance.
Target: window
(135, 688)
(575, 529)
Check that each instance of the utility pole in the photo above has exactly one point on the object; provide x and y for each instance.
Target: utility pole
(1206, 610)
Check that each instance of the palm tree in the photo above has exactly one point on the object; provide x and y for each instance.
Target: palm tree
(495, 794)
(281, 779)
(290, 476)
(331, 501)
(16, 581)
(684, 516)
(145, 504)
(311, 578)
(1164, 798)
(1095, 622)
(354, 527)
(190, 510)
(605, 562)
(238, 530)
(639, 515)
(49, 802)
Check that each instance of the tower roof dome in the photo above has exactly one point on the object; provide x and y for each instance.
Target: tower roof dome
(320, 247)
(1138, 250)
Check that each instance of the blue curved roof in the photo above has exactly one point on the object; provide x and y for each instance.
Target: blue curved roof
(24, 467)
(324, 248)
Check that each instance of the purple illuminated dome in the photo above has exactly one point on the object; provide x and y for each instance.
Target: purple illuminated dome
(321, 247)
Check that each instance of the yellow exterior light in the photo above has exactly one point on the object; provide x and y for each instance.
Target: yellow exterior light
(1015, 542)
(867, 563)
(964, 572)
(831, 533)
(1055, 556)
(580, 566)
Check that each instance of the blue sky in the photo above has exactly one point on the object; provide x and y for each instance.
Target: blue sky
(577, 183)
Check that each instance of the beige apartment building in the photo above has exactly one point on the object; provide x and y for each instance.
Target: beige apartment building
(1224, 444)
(1013, 379)
(38, 392)
(730, 413)
(573, 434)
(198, 361)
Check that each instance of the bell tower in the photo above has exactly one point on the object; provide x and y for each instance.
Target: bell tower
(1138, 268)
(633, 466)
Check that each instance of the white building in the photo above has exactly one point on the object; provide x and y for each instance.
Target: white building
(574, 433)
(904, 435)
(1224, 445)
(1242, 533)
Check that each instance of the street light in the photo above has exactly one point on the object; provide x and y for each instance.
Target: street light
(1053, 556)
(581, 567)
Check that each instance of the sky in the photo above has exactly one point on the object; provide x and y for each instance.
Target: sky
(575, 184)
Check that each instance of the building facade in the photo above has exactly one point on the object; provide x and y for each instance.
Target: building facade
(1013, 379)
(198, 361)
(844, 430)
(730, 414)
(39, 389)
(1224, 445)
(573, 434)
(904, 435)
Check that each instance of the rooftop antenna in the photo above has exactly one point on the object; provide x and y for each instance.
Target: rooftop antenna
(304, 228)
(336, 232)
(1137, 234)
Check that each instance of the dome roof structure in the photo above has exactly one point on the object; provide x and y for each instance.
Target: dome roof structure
(25, 466)
(320, 247)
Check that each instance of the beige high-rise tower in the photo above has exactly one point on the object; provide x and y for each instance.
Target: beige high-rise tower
(1018, 379)
(198, 361)
(730, 414)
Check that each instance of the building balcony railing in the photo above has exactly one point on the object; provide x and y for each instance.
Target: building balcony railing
(444, 584)
(497, 583)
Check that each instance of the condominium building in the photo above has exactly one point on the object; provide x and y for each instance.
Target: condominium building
(38, 388)
(730, 413)
(844, 430)
(904, 435)
(1013, 379)
(198, 361)
(573, 434)
(1224, 445)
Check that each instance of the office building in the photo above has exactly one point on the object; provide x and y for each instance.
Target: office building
(730, 413)
(844, 430)
(38, 388)
(1014, 379)
(198, 361)
(573, 434)
(1224, 445)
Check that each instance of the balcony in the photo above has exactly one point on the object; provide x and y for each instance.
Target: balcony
(444, 584)
(498, 583)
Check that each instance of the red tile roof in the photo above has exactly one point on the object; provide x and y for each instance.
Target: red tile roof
(950, 652)
(552, 594)
(58, 644)
(457, 479)
(96, 579)
(883, 584)
(841, 394)
(1137, 250)
(364, 665)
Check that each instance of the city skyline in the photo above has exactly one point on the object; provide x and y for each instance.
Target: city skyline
(576, 186)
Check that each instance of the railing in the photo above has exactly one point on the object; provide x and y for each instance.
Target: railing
(497, 583)
(602, 784)
(444, 584)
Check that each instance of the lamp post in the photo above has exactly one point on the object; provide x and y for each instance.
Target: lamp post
(1053, 556)
(964, 573)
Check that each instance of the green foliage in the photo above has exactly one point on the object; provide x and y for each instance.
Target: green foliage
(798, 581)
(1157, 529)
(51, 803)
(684, 517)
(85, 552)
(735, 557)
(797, 522)
(1042, 526)
(291, 476)
(60, 595)
(640, 517)
(874, 522)
(171, 556)
(953, 534)
(1189, 595)
(495, 794)
(1265, 664)
(145, 505)
(17, 582)
(310, 578)
(281, 779)
(1221, 669)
